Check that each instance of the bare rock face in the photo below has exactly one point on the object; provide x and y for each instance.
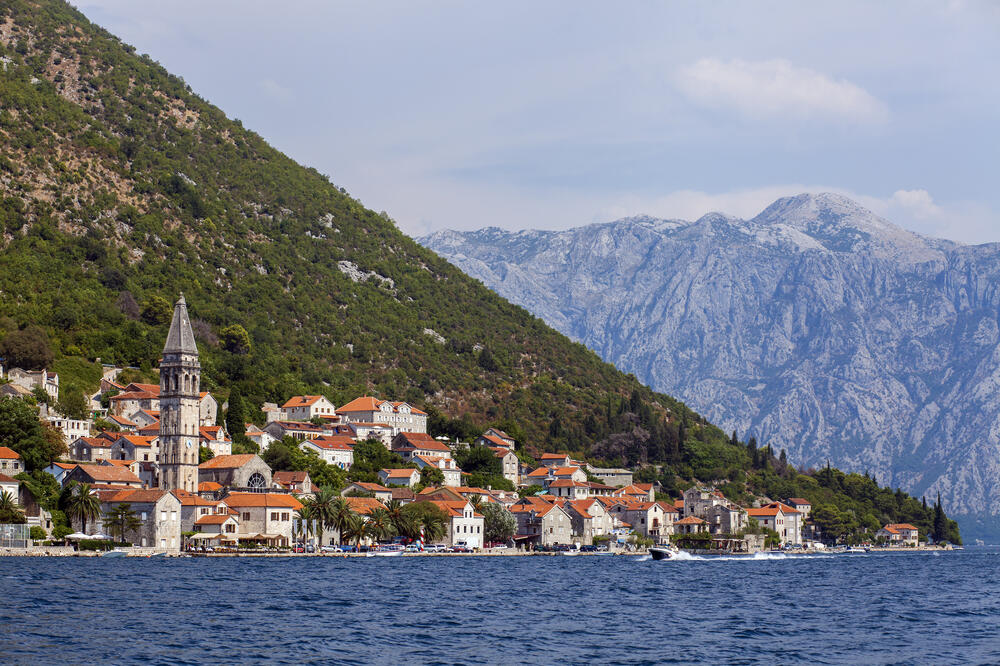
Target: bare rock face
(816, 326)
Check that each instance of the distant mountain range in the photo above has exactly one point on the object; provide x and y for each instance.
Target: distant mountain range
(816, 326)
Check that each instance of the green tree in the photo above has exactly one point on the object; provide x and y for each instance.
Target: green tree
(120, 520)
(156, 310)
(940, 530)
(74, 404)
(235, 339)
(205, 454)
(428, 516)
(340, 515)
(28, 349)
(380, 526)
(10, 510)
(322, 507)
(21, 430)
(306, 521)
(355, 529)
(236, 417)
(83, 504)
(431, 476)
(499, 524)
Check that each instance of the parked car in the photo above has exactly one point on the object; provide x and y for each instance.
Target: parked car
(458, 548)
(330, 549)
(299, 548)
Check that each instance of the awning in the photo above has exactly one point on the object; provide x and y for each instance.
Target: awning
(205, 535)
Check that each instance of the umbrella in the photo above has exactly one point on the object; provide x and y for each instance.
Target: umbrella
(77, 535)
(100, 536)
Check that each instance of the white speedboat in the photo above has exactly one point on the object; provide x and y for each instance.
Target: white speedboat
(663, 552)
(856, 549)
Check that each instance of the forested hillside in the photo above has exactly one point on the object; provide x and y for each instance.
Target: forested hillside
(119, 188)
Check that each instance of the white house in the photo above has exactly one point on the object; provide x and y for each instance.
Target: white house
(449, 468)
(337, 450)
(466, 526)
(308, 407)
(401, 416)
(399, 477)
(71, 429)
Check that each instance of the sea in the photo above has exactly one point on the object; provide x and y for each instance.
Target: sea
(877, 608)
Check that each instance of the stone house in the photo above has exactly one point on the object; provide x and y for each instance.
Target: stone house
(215, 439)
(337, 450)
(124, 424)
(541, 523)
(690, 525)
(103, 475)
(128, 403)
(296, 429)
(589, 519)
(726, 518)
(408, 445)
(493, 437)
(509, 463)
(266, 516)
(157, 509)
(699, 499)
(91, 449)
(900, 534)
(361, 431)
(135, 447)
(71, 429)
(208, 409)
(569, 489)
(297, 483)
(259, 437)
(308, 407)
(782, 519)
(401, 416)
(646, 518)
(194, 507)
(381, 493)
(465, 527)
(801, 505)
(10, 461)
(408, 477)
(245, 471)
(448, 467)
(32, 379)
(612, 476)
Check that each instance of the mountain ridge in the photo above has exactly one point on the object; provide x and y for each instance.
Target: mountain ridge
(815, 325)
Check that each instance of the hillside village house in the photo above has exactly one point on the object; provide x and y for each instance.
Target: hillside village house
(215, 439)
(103, 476)
(123, 424)
(612, 476)
(259, 437)
(408, 445)
(381, 493)
(690, 525)
(10, 461)
(71, 429)
(14, 391)
(308, 407)
(448, 467)
(401, 416)
(399, 477)
(90, 449)
(803, 506)
(10, 485)
(337, 450)
(899, 534)
(508, 463)
(296, 429)
(782, 519)
(32, 379)
(58, 470)
(494, 437)
(699, 499)
(245, 471)
(726, 518)
(359, 431)
(588, 519)
(297, 483)
(646, 518)
(158, 510)
(194, 507)
(135, 447)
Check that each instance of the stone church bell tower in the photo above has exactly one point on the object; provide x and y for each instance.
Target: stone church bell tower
(180, 377)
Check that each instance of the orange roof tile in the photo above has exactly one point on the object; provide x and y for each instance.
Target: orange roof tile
(364, 505)
(8, 453)
(227, 462)
(399, 473)
(209, 486)
(690, 520)
(301, 401)
(109, 473)
(277, 500)
(213, 519)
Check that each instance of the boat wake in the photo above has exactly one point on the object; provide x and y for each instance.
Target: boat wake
(756, 557)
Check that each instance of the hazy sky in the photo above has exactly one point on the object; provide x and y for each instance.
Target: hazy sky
(556, 114)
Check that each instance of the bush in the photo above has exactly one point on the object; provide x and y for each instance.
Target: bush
(95, 544)
(37, 533)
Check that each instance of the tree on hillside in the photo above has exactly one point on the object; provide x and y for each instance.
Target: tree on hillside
(21, 430)
(236, 417)
(431, 476)
(940, 530)
(27, 349)
(73, 404)
(156, 310)
(235, 339)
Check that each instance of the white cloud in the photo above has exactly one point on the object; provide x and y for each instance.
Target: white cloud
(777, 89)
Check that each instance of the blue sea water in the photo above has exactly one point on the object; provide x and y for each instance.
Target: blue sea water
(912, 608)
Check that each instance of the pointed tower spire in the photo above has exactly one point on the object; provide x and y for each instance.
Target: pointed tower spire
(180, 339)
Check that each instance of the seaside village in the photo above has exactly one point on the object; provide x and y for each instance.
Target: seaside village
(151, 464)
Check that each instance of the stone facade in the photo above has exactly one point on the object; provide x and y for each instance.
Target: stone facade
(244, 471)
(180, 412)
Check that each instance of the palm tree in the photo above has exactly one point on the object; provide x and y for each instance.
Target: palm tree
(306, 519)
(434, 526)
(477, 503)
(340, 513)
(380, 525)
(322, 508)
(356, 529)
(10, 510)
(83, 504)
(396, 515)
(121, 520)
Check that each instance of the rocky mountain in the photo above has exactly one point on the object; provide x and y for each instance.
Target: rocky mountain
(816, 326)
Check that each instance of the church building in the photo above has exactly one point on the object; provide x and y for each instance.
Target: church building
(180, 376)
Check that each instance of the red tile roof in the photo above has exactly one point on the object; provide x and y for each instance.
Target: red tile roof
(400, 473)
(227, 462)
(212, 519)
(302, 401)
(109, 474)
(209, 486)
(8, 453)
(276, 500)
(364, 505)
(690, 520)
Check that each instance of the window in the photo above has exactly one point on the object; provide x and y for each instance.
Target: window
(246, 515)
(163, 515)
(274, 515)
(163, 543)
(284, 516)
(230, 528)
(173, 515)
(143, 515)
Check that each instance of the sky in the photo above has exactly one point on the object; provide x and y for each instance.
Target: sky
(458, 115)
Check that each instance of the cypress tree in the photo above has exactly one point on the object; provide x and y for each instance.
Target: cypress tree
(236, 417)
(940, 522)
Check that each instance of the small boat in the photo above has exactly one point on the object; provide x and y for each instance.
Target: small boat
(856, 549)
(386, 553)
(114, 553)
(663, 553)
